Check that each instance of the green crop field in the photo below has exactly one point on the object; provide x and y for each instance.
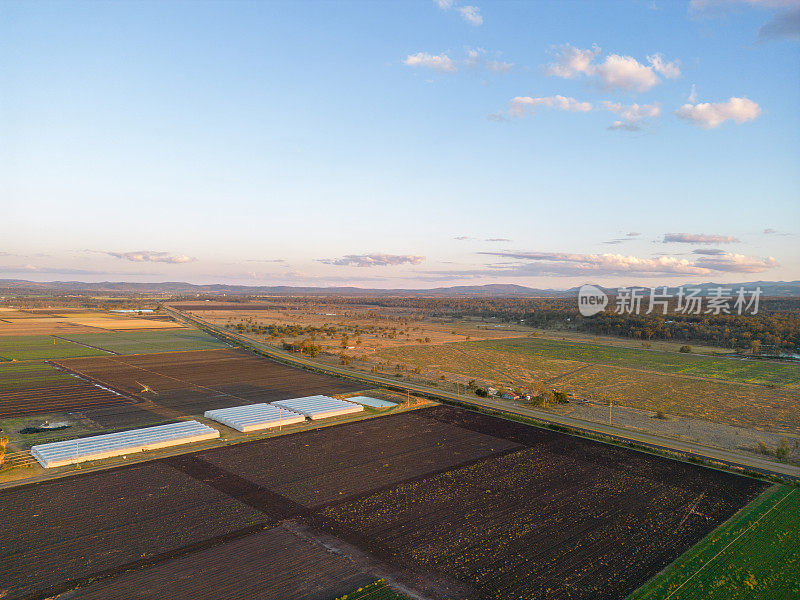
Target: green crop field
(143, 342)
(754, 556)
(40, 347)
(15, 375)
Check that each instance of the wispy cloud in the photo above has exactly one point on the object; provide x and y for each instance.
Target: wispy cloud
(471, 14)
(615, 72)
(497, 240)
(151, 256)
(521, 105)
(436, 62)
(711, 115)
(373, 260)
(570, 265)
(33, 269)
(699, 238)
(784, 24)
(631, 115)
(628, 238)
(709, 251)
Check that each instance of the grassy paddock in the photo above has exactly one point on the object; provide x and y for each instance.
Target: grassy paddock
(142, 342)
(726, 369)
(755, 555)
(588, 371)
(39, 347)
(30, 375)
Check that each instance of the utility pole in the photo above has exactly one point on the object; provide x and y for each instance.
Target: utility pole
(609, 412)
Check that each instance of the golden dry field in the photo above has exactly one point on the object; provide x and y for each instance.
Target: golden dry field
(63, 322)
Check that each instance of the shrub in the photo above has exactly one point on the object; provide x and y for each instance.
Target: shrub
(481, 392)
(783, 449)
(685, 349)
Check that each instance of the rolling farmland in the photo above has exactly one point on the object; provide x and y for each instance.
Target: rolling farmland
(654, 384)
(445, 501)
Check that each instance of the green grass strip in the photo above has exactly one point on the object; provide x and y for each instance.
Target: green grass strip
(755, 555)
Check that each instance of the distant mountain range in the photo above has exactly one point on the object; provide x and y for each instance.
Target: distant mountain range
(499, 290)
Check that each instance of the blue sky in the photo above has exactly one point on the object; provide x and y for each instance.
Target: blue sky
(401, 144)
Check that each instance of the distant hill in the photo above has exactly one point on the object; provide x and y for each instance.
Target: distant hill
(498, 290)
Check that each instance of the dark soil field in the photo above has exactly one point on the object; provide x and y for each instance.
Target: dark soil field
(196, 381)
(448, 502)
(37, 388)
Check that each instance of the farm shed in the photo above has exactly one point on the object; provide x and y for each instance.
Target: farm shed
(254, 417)
(319, 407)
(58, 454)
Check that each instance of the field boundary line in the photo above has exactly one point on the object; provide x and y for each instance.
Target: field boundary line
(753, 524)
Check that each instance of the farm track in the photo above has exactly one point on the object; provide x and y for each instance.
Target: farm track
(531, 508)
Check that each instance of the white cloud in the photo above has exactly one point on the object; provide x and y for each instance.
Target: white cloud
(373, 260)
(472, 14)
(571, 62)
(692, 95)
(699, 238)
(615, 72)
(151, 256)
(625, 73)
(710, 115)
(522, 104)
(632, 114)
(437, 62)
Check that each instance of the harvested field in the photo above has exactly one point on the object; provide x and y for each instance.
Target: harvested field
(31, 388)
(63, 530)
(563, 517)
(273, 564)
(464, 505)
(317, 467)
(193, 382)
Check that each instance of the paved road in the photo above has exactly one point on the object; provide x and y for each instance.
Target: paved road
(686, 449)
